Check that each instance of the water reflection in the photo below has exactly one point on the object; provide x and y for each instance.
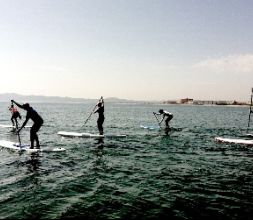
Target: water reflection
(100, 143)
(34, 163)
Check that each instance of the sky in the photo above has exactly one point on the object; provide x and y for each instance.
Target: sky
(131, 49)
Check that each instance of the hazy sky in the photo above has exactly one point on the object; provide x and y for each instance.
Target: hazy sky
(134, 49)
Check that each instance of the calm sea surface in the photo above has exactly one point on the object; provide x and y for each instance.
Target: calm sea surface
(185, 175)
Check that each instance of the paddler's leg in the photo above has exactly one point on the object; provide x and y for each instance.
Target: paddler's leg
(36, 138)
(12, 120)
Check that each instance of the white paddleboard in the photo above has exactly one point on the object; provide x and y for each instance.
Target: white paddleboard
(157, 128)
(234, 141)
(11, 126)
(249, 135)
(89, 135)
(150, 127)
(26, 147)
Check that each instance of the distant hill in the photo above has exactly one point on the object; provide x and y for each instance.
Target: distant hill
(118, 100)
(6, 97)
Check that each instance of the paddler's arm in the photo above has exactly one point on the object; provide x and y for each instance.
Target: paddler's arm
(96, 110)
(17, 104)
(156, 113)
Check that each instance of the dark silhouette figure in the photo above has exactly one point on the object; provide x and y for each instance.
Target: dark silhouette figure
(14, 115)
(168, 116)
(36, 118)
(101, 117)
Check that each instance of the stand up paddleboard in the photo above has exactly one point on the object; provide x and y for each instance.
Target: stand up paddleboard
(247, 142)
(89, 135)
(249, 135)
(11, 126)
(26, 147)
(234, 141)
(157, 128)
(150, 127)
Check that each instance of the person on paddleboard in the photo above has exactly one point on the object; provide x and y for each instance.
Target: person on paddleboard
(165, 114)
(101, 117)
(14, 115)
(36, 118)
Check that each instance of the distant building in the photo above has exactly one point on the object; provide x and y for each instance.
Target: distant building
(204, 102)
(170, 102)
(186, 101)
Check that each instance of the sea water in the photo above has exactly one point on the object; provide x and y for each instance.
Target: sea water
(183, 175)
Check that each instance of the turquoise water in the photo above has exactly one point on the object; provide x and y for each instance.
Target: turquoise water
(185, 175)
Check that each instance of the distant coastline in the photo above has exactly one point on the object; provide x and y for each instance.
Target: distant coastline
(6, 97)
(188, 101)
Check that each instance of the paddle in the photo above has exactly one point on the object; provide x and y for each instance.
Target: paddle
(19, 139)
(250, 110)
(157, 120)
(92, 112)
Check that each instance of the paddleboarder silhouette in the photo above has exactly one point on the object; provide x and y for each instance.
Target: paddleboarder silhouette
(36, 118)
(101, 117)
(168, 116)
(14, 115)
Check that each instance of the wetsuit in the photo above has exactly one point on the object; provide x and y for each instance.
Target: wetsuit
(101, 119)
(15, 115)
(38, 122)
(169, 117)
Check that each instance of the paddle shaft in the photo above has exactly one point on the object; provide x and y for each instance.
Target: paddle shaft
(157, 120)
(89, 116)
(19, 139)
(250, 109)
(92, 112)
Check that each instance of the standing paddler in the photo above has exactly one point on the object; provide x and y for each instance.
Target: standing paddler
(36, 118)
(168, 116)
(14, 115)
(101, 117)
